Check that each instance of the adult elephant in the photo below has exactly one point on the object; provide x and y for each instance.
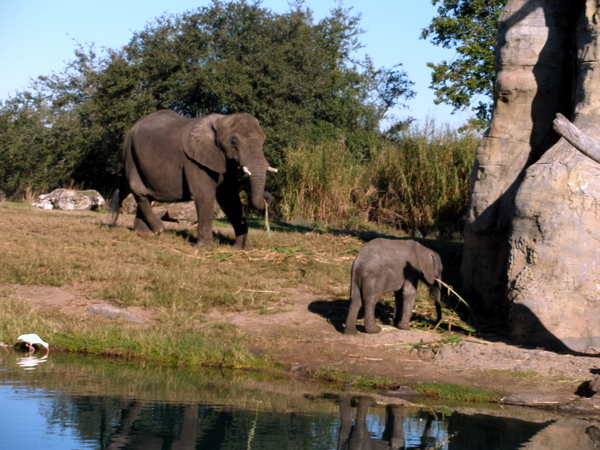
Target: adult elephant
(170, 158)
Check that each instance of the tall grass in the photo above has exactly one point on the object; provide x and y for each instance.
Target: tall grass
(319, 184)
(419, 181)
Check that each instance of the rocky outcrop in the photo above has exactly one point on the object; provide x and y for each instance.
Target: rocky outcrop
(70, 200)
(532, 235)
(181, 213)
(554, 263)
(529, 89)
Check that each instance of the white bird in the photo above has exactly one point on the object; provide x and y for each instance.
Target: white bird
(31, 342)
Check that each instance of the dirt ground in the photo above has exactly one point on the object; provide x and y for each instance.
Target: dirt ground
(307, 336)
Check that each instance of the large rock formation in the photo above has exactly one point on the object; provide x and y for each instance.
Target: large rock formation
(554, 264)
(530, 58)
(532, 239)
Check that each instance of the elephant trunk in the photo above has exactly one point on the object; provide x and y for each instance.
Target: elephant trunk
(255, 165)
(257, 185)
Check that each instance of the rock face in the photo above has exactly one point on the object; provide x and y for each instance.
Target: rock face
(69, 199)
(532, 236)
(530, 61)
(174, 212)
(181, 213)
(554, 264)
(129, 206)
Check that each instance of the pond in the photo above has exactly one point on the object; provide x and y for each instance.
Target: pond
(64, 401)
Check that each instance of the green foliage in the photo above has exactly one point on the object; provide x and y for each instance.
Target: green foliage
(471, 27)
(37, 150)
(319, 106)
(319, 183)
(292, 73)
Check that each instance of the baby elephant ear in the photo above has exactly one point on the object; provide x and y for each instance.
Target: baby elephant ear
(429, 263)
(201, 146)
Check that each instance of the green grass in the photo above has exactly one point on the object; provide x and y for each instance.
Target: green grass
(362, 381)
(79, 252)
(457, 392)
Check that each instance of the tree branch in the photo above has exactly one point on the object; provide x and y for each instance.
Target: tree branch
(577, 138)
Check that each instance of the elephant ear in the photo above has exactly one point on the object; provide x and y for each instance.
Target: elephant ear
(428, 263)
(201, 146)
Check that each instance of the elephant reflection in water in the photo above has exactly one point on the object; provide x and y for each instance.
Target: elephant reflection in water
(357, 436)
(125, 436)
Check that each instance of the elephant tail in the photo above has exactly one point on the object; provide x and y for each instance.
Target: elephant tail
(118, 197)
(437, 294)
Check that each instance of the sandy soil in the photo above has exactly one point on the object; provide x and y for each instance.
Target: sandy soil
(307, 336)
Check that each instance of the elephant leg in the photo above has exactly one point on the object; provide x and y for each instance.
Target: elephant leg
(145, 220)
(228, 197)
(202, 185)
(355, 304)
(345, 421)
(360, 437)
(205, 211)
(370, 300)
(405, 300)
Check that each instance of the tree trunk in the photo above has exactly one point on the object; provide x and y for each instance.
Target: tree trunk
(532, 239)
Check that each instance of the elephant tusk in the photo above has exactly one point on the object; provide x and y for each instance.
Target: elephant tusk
(271, 169)
(245, 169)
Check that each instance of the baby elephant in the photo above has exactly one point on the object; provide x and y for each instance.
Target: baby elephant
(386, 265)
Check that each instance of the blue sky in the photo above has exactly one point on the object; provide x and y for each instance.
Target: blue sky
(39, 36)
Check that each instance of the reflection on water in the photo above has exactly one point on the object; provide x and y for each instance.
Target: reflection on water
(30, 362)
(72, 402)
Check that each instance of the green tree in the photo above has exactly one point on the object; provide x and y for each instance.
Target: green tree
(471, 27)
(299, 77)
(296, 76)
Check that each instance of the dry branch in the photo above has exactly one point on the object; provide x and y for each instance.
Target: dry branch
(576, 137)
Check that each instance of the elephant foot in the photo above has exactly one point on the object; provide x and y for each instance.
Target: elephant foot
(143, 229)
(349, 329)
(372, 329)
(241, 242)
(403, 326)
(159, 230)
(203, 244)
(140, 227)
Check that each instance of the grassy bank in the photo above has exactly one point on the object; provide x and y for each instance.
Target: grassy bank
(167, 279)
(164, 275)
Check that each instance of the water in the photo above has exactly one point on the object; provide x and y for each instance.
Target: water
(73, 402)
